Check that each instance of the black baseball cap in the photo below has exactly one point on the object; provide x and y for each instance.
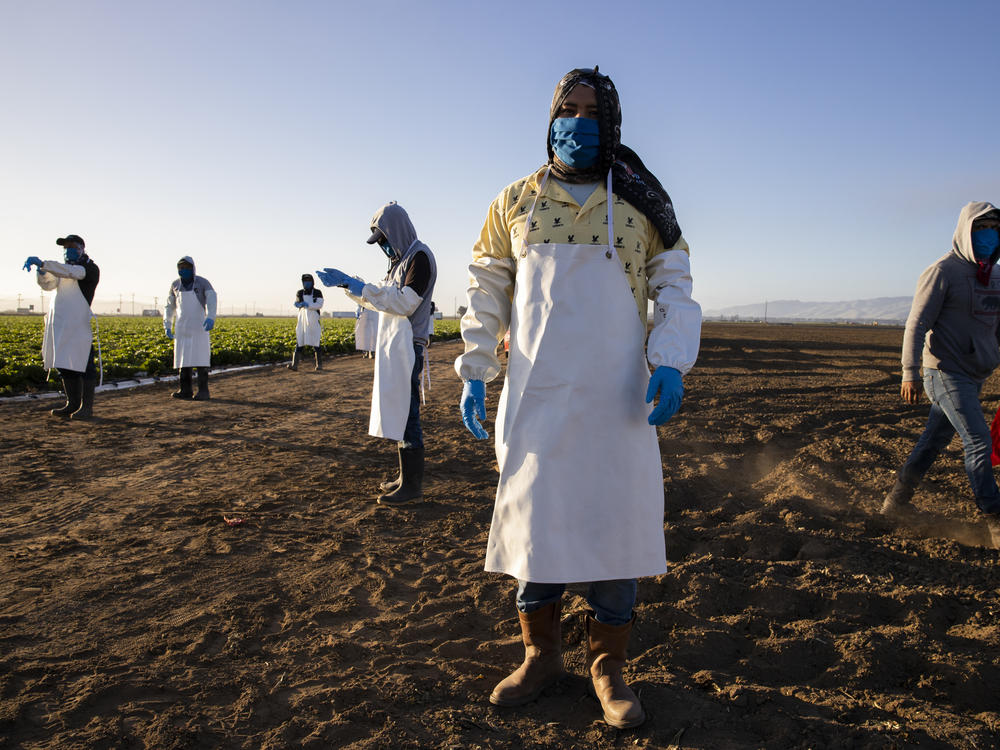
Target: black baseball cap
(71, 238)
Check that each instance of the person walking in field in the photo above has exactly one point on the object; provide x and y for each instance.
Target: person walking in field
(567, 260)
(403, 305)
(308, 329)
(953, 330)
(67, 343)
(187, 319)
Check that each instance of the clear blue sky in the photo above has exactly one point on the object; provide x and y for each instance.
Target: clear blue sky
(813, 150)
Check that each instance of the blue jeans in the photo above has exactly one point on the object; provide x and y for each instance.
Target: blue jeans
(413, 436)
(612, 601)
(955, 408)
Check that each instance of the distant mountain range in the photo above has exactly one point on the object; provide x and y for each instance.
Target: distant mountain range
(882, 309)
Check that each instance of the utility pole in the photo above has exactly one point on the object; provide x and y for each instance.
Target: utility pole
(133, 304)
(19, 302)
(765, 311)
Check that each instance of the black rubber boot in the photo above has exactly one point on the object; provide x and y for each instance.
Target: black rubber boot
(185, 384)
(393, 484)
(897, 502)
(295, 359)
(202, 394)
(319, 359)
(86, 410)
(73, 386)
(411, 465)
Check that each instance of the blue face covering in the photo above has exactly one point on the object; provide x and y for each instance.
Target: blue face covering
(985, 242)
(186, 274)
(576, 141)
(71, 254)
(307, 285)
(387, 249)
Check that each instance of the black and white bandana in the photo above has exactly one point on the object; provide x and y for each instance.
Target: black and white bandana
(631, 180)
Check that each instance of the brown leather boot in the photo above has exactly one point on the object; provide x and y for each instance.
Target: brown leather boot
(606, 646)
(542, 666)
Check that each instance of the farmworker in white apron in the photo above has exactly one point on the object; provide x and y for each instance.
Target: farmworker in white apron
(567, 259)
(192, 299)
(308, 330)
(952, 331)
(67, 343)
(403, 304)
(365, 331)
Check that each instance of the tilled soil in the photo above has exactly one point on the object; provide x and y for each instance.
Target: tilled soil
(793, 615)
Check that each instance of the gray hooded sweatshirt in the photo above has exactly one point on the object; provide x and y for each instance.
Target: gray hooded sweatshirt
(202, 289)
(954, 317)
(395, 224)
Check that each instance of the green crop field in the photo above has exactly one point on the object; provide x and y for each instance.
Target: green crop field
(137, 346)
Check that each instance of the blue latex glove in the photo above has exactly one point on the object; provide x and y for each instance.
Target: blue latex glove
(32, 261)
(300, 304)
(473, 404)
(209, 324)
(668, 383)
(332, 277)
(168, 332)
(354, 286)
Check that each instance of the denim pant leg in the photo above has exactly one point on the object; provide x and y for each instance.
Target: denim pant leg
(934, 439)
(413, 436)
(612, 601)
(958, 397)
(532, 596)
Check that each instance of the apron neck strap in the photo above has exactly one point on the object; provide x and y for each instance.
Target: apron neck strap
(541, 189)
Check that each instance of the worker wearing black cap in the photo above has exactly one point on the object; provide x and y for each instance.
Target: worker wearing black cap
(67, 344)
(308, 330)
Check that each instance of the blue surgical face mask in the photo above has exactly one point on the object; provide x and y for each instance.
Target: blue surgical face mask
(576, 141)
(387, 249)
(71, 253)
(307, 285)
(186, 274)
(985, 243)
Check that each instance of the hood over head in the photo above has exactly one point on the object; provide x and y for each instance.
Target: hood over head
(393, 221)
(187, 259)
(609, 122)
(308, 277)
(961, 242)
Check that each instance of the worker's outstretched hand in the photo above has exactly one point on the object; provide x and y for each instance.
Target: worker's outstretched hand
(34, 260)
(332, 277)
(668, 383)
(473, 405)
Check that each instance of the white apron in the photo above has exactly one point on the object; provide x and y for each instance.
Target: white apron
(67, 338)
(581, 486)
(192, 345)
(366, 330)
(394, 360)
(308, 330)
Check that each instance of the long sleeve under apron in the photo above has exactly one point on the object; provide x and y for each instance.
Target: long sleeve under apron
(652, 271)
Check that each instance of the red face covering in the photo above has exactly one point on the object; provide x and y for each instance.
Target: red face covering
(983, 270)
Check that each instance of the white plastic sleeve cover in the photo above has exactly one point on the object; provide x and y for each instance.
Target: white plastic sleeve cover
(315, 303)
(491, 289)
(170, 308)
(65, 270)
(389, 299)
(46, 281)
(210, 303)
(676, 333)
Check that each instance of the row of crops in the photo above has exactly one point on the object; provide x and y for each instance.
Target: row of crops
(135, 347)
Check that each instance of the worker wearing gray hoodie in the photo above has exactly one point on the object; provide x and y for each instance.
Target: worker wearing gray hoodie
(953, 330)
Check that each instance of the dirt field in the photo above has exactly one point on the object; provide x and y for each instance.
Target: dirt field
(793, 615)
